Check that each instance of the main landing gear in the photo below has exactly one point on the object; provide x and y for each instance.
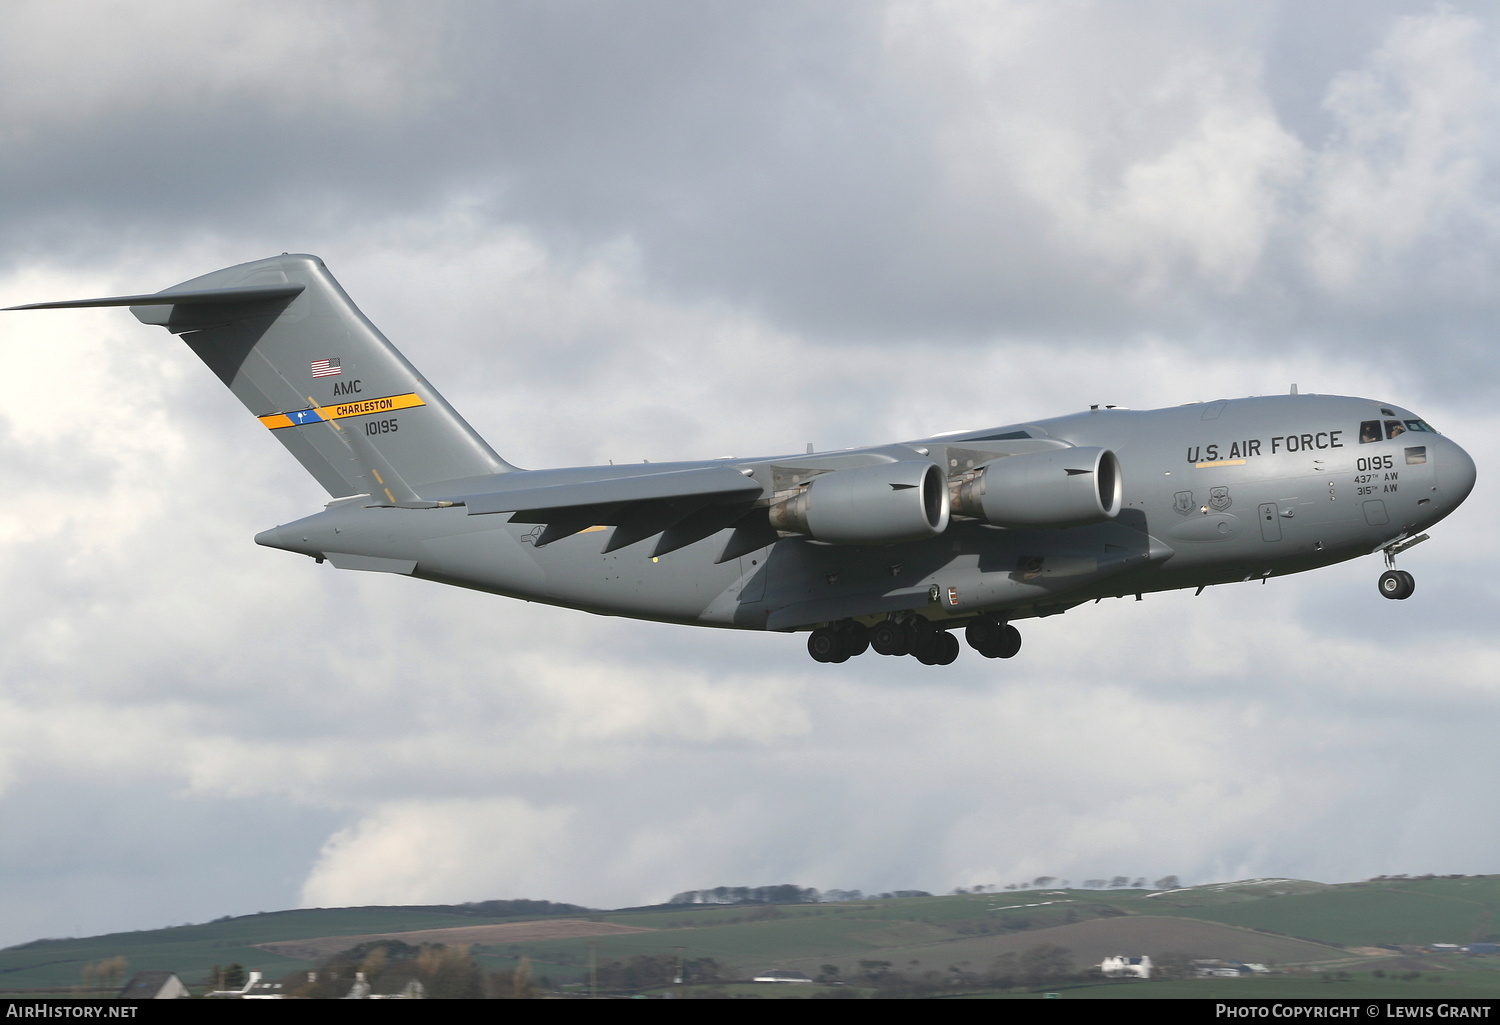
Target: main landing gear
(839, 642)
(992, 637)
(1397, 584)
(917, 636)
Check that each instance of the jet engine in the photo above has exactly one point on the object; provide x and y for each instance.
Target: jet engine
(1067, 487)
(868, 505)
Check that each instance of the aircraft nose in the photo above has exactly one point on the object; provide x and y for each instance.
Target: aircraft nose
(1455, 474)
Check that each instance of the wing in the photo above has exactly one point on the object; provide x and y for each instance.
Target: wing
(683, 506)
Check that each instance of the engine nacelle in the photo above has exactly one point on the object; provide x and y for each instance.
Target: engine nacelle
(1066, 487)
(868, 505)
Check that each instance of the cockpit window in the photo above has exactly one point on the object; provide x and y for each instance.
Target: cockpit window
(1370, 430)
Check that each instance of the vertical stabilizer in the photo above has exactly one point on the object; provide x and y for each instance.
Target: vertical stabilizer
(328, 385)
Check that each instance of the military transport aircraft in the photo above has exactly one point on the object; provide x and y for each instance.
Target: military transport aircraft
(894, 547)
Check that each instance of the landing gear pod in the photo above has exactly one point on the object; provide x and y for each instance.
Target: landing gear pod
(1070, 487)
(868, 505)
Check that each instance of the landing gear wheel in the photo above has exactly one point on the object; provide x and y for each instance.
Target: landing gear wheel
(1009, 644)
(947, 649)
(1397, 584)
(934, 649)
(889, 638)
(982, 633)
(993, 638)
(924, 640)
(828, 645)
(856, 636)
(919, 633)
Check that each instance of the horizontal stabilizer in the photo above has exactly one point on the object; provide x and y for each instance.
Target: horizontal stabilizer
(196, 297)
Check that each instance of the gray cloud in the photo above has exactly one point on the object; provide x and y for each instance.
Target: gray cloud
(657, 230)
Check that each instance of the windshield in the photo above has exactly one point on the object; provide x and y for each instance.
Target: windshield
(1384, 430)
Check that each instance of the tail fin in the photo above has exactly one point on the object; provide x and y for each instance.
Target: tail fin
(300, 355)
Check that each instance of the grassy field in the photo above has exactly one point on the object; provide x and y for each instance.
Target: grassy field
(1360, 986)
(1291, 924)
(1369, 914)
(192, 950)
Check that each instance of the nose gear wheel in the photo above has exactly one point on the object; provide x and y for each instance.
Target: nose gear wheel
(1397, 584)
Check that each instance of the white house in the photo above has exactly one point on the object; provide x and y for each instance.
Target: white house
(1122, 966)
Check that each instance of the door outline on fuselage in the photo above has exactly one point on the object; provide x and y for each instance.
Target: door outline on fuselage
(1270, 522)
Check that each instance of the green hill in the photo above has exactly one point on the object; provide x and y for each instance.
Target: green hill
(192, 951)
(1293, 924)
(1377, 913)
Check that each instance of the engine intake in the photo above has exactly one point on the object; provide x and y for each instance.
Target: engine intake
(868, 505)
(1068, 487)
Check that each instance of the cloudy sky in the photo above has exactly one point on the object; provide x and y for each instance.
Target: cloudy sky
(655, 230)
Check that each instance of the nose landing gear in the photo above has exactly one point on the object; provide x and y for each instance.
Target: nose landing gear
(1397, 584)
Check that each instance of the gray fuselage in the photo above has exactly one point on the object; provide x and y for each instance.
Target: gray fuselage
(1210, 493)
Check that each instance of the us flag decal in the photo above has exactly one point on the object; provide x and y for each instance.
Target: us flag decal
(327, 368)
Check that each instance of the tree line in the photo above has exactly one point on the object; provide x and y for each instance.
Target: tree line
(786, 893)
